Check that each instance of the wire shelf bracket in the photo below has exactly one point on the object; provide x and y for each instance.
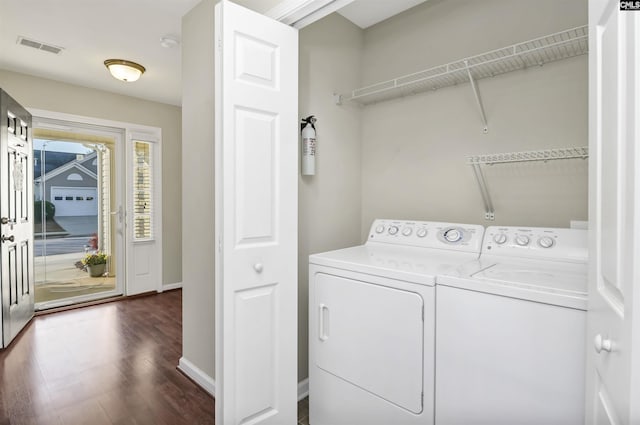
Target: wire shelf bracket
(477, 161)
(537, 52)
(474, 87)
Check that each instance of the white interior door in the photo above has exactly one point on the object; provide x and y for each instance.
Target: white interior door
(16, 212)
(613, 355)
(256, 218)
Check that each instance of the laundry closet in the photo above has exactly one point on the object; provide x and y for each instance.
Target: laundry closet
(406, 157)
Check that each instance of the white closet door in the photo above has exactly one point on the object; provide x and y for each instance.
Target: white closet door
(613, 341)
(256, 218)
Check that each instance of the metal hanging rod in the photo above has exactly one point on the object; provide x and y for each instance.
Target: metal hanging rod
(539, 155)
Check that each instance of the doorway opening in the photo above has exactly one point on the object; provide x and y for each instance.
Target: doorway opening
(78, 224)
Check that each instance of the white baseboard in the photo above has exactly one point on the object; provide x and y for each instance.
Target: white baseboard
(170, 286)
(198, 376)
(209, 384)
(303, 389)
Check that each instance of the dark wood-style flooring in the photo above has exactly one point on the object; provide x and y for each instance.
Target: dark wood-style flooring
(113, 363)
(108, 364)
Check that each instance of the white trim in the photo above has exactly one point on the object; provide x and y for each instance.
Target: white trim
(203, 380)
(303, 389)
(170, 286)
(300, 13)
(120, 125)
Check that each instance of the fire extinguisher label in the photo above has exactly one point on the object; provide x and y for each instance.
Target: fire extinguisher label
(309, 147)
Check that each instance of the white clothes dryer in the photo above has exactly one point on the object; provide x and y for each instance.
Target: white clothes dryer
(510, 331)
(371, 322)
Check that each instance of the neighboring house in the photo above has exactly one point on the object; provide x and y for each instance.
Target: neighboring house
(72, 187)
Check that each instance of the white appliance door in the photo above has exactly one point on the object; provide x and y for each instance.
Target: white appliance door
(613, 368)
(256, 218)
(505, 361)
(372, 337)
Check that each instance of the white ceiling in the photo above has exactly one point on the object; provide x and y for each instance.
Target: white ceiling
(365, 13)
(91, 31)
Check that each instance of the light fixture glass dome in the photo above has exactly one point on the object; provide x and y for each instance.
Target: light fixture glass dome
(124, 70)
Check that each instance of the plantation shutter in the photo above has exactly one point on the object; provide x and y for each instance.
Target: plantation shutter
(142, 191)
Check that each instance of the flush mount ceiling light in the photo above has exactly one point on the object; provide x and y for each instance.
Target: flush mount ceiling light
(124, 70)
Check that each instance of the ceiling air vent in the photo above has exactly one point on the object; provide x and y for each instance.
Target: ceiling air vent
(39, 45)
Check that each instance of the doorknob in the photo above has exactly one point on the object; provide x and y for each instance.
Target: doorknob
(119, 213)
(8, 238)
(258, 267)
(5, 220)
(602, 344)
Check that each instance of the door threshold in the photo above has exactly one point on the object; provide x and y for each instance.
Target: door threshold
(90, 303)
(73, 306)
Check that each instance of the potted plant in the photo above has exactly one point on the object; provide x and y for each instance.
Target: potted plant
(95, 263)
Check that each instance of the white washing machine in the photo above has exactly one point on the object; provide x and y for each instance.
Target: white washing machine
(371, 322)
(510, 331)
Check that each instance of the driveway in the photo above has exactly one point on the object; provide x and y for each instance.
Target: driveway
(83, 225)
(57, 246)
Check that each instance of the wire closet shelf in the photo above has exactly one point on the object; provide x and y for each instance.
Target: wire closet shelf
(477, 161)
(536, 52)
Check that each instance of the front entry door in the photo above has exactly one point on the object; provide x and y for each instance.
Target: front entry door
(16, 212)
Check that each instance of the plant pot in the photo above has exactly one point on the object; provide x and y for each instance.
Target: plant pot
(96, 270)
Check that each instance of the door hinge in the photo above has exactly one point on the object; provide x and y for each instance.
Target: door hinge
(219, 43)
(219, 244)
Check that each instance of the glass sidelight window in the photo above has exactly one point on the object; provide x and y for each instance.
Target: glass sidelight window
(142, 191)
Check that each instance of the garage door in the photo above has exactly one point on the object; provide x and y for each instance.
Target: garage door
(75, 201)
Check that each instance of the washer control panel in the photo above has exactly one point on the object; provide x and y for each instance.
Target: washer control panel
(536, 242)
(428, 234)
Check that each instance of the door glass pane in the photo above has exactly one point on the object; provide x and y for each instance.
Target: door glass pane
(74, 227)
(142, 193)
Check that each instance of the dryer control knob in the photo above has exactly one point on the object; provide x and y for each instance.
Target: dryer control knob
(500, 238)
(393, 230)
(407, 231)
(522, 240)
(452, 235)
(422, 233)
(546, 242)
(380, 228)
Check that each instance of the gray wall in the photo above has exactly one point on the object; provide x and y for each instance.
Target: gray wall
(198, 318)
(55, 96)
(414, 148)
(329, 202)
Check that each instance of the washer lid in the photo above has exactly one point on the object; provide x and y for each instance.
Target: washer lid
(551, 282)
(411, 264)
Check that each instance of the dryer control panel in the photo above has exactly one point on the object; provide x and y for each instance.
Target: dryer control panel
(428, 234)
(536, 242)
